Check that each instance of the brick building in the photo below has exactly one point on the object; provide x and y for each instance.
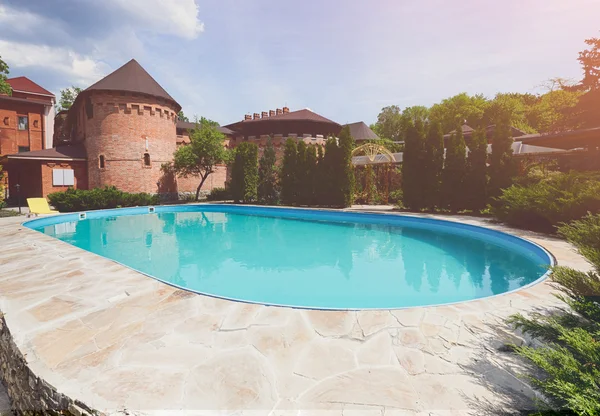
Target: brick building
(120, 131)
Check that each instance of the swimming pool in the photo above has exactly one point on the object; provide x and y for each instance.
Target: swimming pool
(307, 258)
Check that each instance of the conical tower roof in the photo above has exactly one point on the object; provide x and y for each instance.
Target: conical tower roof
(131, 77)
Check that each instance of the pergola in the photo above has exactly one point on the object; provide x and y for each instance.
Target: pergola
(375, 151)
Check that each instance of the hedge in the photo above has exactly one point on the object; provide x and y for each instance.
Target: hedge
(99, 198)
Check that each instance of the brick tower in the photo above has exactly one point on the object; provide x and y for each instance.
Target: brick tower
(126, 122)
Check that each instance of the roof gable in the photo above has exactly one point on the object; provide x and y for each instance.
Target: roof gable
(360, 131)
(298, 115)
(24, 84)
(132, 77)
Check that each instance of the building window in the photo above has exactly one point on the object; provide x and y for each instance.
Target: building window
(23, 149)
(63, 177)
(101, 162)
(146, 159)
(22, 123)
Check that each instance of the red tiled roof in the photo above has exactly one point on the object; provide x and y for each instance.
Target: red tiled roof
(26, 85)
(132, 77)
(299, 115)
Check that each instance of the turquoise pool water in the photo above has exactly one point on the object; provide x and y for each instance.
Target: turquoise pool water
(307, 258)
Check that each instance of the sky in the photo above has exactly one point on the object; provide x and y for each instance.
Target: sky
(344, 59)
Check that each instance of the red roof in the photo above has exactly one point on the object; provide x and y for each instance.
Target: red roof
(299, 115)
(26, 85)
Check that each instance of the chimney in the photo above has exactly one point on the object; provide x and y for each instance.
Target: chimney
(271, 113)
(256, 116)
(248, 117)
(286, 110)
(279, 111)
(264, 114)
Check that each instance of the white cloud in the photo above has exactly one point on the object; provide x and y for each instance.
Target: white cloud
(174, 17)
(78, 69)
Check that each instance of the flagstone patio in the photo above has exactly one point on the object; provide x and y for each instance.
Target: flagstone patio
(116, 339)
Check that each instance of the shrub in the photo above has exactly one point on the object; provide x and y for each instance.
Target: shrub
(571, 357)
(99, 198)
(219, 194)
(268, 187)
(395, 196)
(543, 205)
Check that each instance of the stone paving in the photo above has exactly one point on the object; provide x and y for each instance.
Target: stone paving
(122, 342)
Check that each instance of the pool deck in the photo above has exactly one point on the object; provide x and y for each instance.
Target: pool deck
(116, 339)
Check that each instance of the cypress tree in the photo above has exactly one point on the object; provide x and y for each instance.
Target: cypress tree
(331, 183)
(288, 173)
(301, 174)
(477, 171)
(244, 176)
(320, 188)
(267, 176)
(345, 168)
(312, 174)
(501, 161)
(433, 164)
(454, 172)
(413, 168)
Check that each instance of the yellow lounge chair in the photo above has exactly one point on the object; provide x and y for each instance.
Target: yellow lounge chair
(39, 206)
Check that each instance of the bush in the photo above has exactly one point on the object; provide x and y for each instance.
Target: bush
(219, 194)
(571, 357)
(99, 198)
(395, 196)
(557, 199)
(244, 173)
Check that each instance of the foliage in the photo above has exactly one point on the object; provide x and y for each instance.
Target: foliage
(181, 116)
(454, 172)
(413, 166)
(288, 173)
(432, 165)
(244, 173)
(268, 186)
(395, 197)
(558, 198)
(67, 97)
(331, 179)
(590, 62)
(555, 111)
(8, 213)
(389, 123)
(587, 111)
(303, 192)
(345, 169)
(570, 357)
(5, 87)
(73, 200)
(476, 178)
(219, 194)
(502, 167)
(201, 156)
(459, 109)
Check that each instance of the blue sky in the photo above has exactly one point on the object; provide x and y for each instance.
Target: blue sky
(345, 59)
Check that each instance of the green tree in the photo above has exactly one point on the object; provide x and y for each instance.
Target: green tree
(476, 179)
(459, 109)
(268, 192)
(201, 156)
(312, 174)
(288, 173)
(502, 167)
(414, 114)
(182, 116)
(346, 170)
(331, 186)
(389, 123)
(554, 111)
(412, 165)
(454, 173)
(5, 87)
(67, 97)
(302, 179)
(320, 188)
(587, 111)
(509, 108)
(244, 173)
(433, 164)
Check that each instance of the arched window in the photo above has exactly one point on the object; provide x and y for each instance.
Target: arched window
(146, 159)
(101, 162)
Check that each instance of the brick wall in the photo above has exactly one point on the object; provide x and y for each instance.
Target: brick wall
(214, 180)
(122, 129)
(10, 137)
(80, 172)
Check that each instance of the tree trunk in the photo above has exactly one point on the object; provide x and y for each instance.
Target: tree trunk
(200, 186)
